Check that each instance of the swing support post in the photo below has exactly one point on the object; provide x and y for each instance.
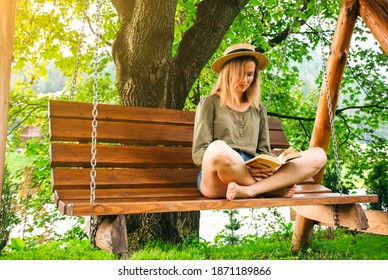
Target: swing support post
(7, 30)
(335, 68)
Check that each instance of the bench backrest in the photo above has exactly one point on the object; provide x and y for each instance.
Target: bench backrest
(148, 148)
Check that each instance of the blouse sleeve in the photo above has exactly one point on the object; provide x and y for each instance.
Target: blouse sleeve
(263, 143)
(203, 129)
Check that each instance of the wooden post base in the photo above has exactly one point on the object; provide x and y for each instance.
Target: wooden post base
(303, 231)
(111, 234)
(351, 216)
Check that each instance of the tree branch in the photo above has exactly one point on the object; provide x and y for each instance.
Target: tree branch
(280, 116)
(377, 106)
(283, 35)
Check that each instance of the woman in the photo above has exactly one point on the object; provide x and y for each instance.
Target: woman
(231, 127)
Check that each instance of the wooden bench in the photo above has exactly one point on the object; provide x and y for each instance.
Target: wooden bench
(144, 164)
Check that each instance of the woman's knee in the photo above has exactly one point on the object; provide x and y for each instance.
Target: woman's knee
(219, 153)
(217, 149)
(320, 157)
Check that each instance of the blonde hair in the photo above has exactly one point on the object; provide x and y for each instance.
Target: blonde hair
(227, 81)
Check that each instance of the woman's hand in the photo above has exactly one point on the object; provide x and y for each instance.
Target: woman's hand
(261, 173)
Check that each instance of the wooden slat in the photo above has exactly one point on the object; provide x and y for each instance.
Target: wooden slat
(109, 131)
(69, 110)
(274, 124)
(80, 110)
(79, 155)
(278, 139)
(143, 133)
(130, 193)
(126, 206)
(123, 178)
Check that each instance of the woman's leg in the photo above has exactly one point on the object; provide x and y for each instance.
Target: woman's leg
(293, 172)
(220, 166)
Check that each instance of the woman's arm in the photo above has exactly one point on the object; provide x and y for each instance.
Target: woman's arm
(263, 144)
(203, 129)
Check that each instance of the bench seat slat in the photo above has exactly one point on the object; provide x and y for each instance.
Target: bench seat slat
(130, 193)
(134, 206)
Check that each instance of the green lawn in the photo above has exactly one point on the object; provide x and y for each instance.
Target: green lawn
(343, 245)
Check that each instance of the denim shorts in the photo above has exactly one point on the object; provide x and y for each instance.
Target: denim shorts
(244, 156)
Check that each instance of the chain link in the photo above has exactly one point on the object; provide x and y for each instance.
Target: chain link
(93, 162)
(336, 215)
(282, 55)
(94, 225)
(80, 42)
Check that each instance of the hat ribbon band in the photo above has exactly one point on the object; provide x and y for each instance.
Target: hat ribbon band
(240, 50)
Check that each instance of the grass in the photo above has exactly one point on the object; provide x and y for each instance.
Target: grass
(344, 245)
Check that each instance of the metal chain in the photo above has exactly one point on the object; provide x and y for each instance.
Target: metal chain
(93, 162)
(282, 55)
(80, 42)
(93, 230)
(336, 215)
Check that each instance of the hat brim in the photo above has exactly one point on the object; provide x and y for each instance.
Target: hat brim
(262, 60)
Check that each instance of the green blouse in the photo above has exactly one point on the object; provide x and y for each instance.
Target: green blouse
(243, 131)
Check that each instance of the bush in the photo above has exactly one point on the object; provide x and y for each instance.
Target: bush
(7, 217)
(377, 181)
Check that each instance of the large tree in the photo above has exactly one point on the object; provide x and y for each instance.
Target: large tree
(160, 50)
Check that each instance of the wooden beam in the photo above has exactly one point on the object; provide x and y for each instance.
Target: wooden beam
(351, 216)
(111, 235)
(335, 68)
(7, 30)
(378, 222)
(375, 15)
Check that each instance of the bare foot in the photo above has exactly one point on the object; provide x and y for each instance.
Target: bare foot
(286, 192)
(236, 191)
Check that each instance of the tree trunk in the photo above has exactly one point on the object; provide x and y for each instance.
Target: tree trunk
(148, 75)
(147, 72)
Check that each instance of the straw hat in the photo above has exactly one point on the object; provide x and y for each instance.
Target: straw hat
(238, 50)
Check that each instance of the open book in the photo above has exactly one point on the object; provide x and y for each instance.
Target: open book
(267, 161)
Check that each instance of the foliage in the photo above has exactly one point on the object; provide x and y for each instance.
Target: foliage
(8, 219)
(260, 222)
(378, 180)
(229, 234)
(73, 249)
(371, 167)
